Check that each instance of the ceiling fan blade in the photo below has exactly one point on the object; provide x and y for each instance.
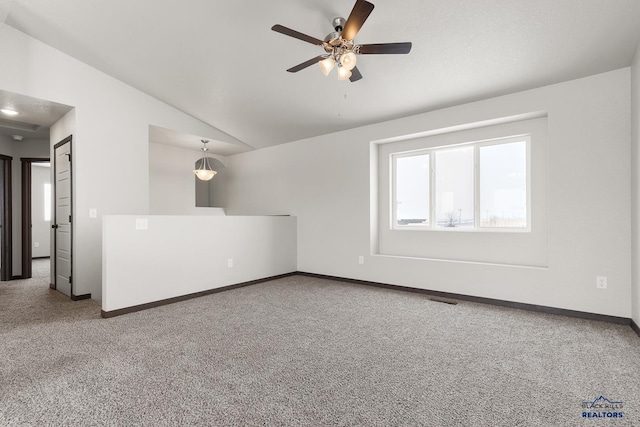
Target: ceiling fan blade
(306, 64)
(355, 75)
(296, 34)
(385, 48)
(360, 12)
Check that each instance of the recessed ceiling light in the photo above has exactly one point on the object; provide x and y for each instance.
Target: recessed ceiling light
(9, 112)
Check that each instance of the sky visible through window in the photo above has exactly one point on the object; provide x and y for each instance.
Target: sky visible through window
(412, 189)
(503, 185)
(455, 188)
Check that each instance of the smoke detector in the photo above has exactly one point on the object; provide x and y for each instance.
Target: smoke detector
(17, 137)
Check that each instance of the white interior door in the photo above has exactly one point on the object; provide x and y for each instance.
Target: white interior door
(62, 224)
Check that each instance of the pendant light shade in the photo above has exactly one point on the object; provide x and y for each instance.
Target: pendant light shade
(343, 73)
(203, 169)
(348, 60)
(326, 65)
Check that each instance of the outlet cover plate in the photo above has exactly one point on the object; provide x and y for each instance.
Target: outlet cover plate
(601, 282)
(142, 224)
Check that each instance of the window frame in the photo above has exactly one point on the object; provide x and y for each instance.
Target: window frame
(431, 152)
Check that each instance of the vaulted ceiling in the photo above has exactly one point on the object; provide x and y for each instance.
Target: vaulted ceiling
(219, 61)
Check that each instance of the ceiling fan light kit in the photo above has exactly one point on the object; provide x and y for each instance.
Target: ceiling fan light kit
(339, 45)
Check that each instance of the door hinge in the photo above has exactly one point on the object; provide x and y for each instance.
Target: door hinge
(70, 281)
(69, 218)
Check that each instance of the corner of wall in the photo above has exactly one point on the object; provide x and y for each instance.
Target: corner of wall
(635, 187)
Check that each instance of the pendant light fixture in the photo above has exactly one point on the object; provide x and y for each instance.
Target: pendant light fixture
(203, 169)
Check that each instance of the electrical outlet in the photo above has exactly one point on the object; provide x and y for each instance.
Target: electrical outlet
(142, 224)
(360, 259)
(230, 262)
(36, 244)
(601, 282)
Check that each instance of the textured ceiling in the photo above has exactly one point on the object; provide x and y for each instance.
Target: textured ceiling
(35, 118)
(220, 62)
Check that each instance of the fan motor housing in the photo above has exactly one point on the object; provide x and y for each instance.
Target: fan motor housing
(333, 39)
(338, 24)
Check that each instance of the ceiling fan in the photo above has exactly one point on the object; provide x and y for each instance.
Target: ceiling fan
(340, 47)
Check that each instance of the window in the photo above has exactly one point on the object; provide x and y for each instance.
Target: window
(454, 188)
(474, 192)
(412, 189)
(503, 185)
(481, 186)
(47, 202)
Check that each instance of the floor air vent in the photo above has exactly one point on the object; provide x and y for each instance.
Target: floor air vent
(444, 301)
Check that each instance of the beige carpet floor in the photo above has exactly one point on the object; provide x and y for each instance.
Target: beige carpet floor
(301, 351)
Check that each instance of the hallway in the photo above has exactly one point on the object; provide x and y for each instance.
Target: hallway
(29, 301)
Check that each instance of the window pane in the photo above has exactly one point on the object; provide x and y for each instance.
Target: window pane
(503, 185)
(454, 188)
(47, 202)
(412, 190)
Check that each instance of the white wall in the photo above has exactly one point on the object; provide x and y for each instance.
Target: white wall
(635, 184)
(6, 145)
(218, 189)
(172, 181)
(110, 145)
(327, 183)
(180, 255)
(63, 128)
(213, 193)
(40, 229)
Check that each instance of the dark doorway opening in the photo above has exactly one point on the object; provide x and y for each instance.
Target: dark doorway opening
(6, 230)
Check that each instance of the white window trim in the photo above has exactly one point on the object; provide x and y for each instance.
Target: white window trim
(432, 225)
